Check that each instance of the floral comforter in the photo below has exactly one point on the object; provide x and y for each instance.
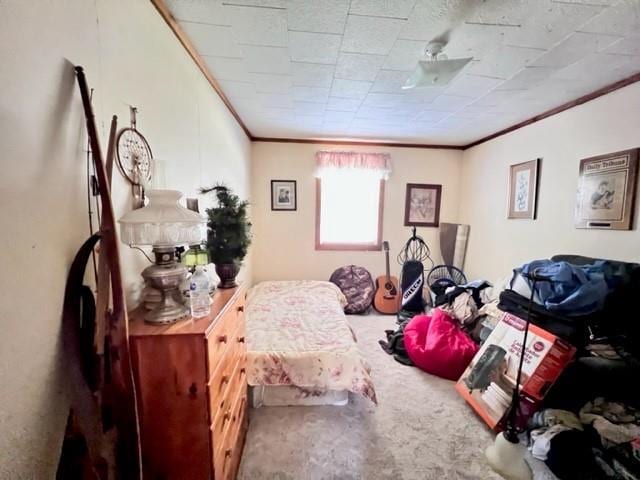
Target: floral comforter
(297, 334)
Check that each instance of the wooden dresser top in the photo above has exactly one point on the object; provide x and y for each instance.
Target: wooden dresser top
(222, 299)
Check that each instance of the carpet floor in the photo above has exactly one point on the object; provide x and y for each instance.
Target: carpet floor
(420, 430)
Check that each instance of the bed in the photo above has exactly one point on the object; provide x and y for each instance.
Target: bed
(300, 348)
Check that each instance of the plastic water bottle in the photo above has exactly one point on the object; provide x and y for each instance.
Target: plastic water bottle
(199, 293)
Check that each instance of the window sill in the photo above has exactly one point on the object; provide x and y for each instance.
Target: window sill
(364, 247)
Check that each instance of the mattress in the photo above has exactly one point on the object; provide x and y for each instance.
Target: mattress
(298, 335)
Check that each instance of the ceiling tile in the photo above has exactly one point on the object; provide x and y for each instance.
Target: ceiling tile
(223, 68)
(527, 77)
(472, 85)
(432, 116)
(310, 94)
(309, 108)
(449, 103)
(622, 19)
(212, 39)
(336, 116)
(343, 104)
(389, 81)
(358, 66)
(405, 55)
(503, 61)
(312, 74)
(350, 88)
(496, 97)
(625, 46)
(387, 100)
(238, 89)
(370, 34)
(326, 16)
(275, 100)
(314, 47)
(544, 27)
(573, 48)
(372, 112)
(267, 59)
(211, 12)
(386, 8)
(258, 26)
(270, 83)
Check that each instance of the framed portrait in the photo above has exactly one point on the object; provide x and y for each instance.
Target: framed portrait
(523, 189)
(422, 205)
(283, 195)
(606, 191)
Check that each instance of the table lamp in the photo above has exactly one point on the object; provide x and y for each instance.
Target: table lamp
(164, 224)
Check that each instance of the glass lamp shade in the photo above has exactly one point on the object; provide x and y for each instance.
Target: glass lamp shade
(163, 222)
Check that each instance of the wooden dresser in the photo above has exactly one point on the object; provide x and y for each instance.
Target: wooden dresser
(191, 391)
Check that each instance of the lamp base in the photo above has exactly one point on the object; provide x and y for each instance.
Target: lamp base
(166, 278)
(507, 458)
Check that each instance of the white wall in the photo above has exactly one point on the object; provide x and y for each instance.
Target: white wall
(284, 245)
(496, 245)
(130, 57)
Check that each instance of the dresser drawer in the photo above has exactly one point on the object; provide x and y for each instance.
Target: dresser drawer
(229, 331)
(227, 455)
(221, 407)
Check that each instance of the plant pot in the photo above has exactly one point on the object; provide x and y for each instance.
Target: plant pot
(227, 273)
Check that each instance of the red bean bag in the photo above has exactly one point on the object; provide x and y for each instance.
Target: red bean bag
(436, 345)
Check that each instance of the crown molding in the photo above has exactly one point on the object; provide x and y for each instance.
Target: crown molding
(363, 143)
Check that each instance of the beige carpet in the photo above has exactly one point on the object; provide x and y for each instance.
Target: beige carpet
(421, 429)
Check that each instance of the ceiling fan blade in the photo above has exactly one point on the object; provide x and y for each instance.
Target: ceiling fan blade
(438, 73)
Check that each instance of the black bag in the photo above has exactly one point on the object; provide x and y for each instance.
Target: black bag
(395, 344)
(411, 284)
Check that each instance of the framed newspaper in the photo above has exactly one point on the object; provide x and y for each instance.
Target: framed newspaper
(606, 191)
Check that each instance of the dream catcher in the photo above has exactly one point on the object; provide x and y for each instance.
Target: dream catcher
(135, 160)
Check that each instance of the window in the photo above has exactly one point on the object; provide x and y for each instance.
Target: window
(349, 207)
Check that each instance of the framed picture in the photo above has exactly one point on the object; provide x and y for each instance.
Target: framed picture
(606, 191)
(422, 205)
(523, 189)
(283, 195)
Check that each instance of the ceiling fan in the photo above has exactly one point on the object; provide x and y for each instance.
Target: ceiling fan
(437, 70)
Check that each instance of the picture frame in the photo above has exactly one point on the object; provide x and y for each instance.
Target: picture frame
(284, 195)
(523, 190)
(606, 191)
(422, 205)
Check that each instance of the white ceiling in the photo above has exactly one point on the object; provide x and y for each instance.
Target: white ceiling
(334, 68)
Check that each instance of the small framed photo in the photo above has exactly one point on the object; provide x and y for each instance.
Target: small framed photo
(606, 191)
(422, 205)
(523, 189)
(283, 195)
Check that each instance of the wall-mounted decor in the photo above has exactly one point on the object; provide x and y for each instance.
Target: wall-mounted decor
(283, 195)
(523, 189)
(422, 205)
(606, 190)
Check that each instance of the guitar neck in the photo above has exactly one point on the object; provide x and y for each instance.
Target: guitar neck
(386, 254)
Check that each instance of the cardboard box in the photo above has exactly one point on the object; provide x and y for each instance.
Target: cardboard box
(488, 382)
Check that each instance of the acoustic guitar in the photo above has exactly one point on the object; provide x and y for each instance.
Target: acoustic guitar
(387, 298)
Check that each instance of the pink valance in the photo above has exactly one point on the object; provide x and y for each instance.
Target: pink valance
(327, 162)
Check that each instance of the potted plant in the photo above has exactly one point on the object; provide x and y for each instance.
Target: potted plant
(228, 234)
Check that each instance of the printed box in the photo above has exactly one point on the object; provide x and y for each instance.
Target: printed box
(488, 382)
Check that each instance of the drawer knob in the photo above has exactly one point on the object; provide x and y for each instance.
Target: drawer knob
(240, 339)
(227, 415)
(225, 379)
(227, 452)
(243, 371)
(241, 308)
(222, 339)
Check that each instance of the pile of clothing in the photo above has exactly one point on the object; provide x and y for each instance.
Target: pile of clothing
(445, 341)
(602, 441)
